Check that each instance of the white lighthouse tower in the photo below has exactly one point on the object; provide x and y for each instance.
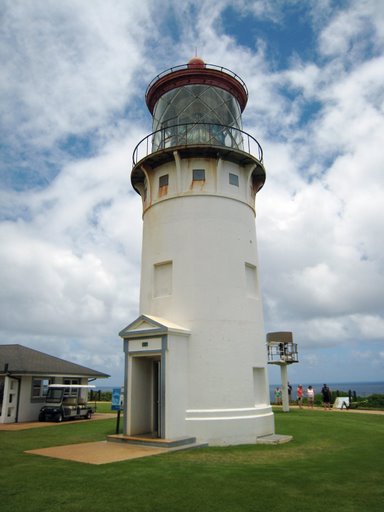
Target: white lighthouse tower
(195, 359)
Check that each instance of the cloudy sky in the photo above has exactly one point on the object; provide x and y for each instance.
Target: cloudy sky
(72, 88)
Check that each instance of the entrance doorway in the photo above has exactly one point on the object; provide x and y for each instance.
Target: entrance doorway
(146, 397)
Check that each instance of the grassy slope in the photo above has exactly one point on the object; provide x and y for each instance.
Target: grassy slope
(334, 462)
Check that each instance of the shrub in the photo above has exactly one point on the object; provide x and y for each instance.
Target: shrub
(100, 396)
(376, 401)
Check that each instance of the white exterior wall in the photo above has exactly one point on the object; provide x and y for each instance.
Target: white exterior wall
(176, 386)
(200, 270)
(28, 409)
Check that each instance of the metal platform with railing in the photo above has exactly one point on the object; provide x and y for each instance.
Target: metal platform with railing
(281, 349)
(192, 135)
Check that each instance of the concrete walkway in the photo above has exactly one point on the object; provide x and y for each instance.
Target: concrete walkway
(41, 424)
(102, 452)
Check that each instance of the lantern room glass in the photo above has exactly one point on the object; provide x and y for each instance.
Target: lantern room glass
(197, 114)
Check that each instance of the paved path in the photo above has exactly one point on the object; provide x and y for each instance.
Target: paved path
(40, 424)
(102, 452)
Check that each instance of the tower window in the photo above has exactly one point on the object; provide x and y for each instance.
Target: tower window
(163, 181)
(163, 185)
(251, 280)
(162, 279)
(233, 179)
(198, 175)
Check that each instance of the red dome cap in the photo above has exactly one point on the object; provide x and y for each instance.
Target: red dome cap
(196, 62)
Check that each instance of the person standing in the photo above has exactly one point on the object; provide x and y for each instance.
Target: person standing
(278, 396)
(289, 393)
(299, 394)
(310, 396)
(327, 397)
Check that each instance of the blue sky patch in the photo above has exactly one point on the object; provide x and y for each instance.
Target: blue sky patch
(290, 36)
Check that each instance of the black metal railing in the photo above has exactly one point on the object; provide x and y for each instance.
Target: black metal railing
(279, 353)
(198, 134)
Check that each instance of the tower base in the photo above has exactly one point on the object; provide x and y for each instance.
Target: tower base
(220, 427)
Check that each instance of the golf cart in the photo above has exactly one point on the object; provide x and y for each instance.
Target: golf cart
(65, 402)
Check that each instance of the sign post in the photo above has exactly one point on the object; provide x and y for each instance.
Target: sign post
(117, 402)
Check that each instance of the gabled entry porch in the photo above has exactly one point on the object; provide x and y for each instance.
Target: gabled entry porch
(156, 378)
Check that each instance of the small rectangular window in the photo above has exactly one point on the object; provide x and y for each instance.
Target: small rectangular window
(198, 174)
(233, 179)
(163, 185)
(163, 181)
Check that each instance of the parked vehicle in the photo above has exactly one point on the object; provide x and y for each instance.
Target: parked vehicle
(65, 402)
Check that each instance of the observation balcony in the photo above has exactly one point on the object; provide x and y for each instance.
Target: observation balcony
(198, 139)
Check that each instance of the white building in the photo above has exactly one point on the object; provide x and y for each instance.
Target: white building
(25, 375)
(196, 357)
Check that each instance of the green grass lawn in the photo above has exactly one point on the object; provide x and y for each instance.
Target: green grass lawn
(102, 407)
(334, 463)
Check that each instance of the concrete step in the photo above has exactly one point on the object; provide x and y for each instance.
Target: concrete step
(150, 440)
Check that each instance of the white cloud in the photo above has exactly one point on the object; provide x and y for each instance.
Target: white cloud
(68, 67)
(352, 30)
(73, 266)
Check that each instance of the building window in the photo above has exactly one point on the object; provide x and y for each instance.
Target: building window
(163, 185)
(71, 391)
(2, 381)
(198, 175)
(40, 388)
(233, 179)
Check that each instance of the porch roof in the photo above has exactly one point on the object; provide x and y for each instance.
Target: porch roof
(19, 360)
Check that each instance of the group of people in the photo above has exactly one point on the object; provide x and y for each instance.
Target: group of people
(310, 395)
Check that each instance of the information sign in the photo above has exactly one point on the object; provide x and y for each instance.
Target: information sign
(116, 399)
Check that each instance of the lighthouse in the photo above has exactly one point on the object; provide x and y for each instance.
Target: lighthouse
(195, 358)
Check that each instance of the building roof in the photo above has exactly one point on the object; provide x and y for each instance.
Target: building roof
(19, 360)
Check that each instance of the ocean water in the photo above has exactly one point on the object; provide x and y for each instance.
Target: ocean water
(361, 388)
